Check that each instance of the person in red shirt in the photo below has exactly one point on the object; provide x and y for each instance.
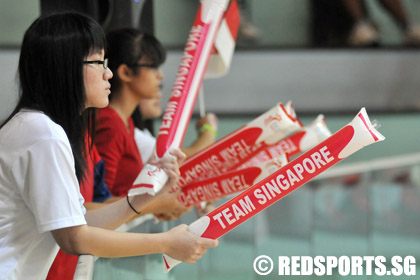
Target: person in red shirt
(134, 58)
(117, 147)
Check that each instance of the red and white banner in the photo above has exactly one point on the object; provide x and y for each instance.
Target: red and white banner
(230, 182)
(294, 144)
(184, 92)
(351, 138)
(239, 146)
(224, 46)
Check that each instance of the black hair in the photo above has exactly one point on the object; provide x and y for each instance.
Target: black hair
(129, 45)
(142, 123)
(50, 75)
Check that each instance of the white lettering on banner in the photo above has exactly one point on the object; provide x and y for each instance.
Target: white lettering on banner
(180, 79)
(238, 150)
(201, 193)
(257, 159)
(284, 146)
(274, 187)
(194, 37)
(234, 184)
(178, 86)
(245, 206)
(168, 116)
(208, 167)
(206, 191)
(293, 175)
(183, 71)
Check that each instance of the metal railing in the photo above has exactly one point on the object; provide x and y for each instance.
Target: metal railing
(85, 265)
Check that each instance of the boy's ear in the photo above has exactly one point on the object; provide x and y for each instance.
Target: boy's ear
(124, 73)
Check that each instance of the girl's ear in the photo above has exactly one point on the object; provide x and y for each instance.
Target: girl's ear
(125, 73)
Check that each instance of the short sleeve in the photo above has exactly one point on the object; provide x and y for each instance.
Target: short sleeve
(47, 181)
(110, 143)
(145, 143)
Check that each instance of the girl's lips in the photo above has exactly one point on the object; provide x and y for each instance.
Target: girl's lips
(108, 89)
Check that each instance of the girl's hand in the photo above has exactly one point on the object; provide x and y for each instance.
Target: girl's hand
(185, 246)
(167, 207)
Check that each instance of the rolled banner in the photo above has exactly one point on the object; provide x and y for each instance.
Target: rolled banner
(294, 144)
(238, 146)
(291, 110)
(184, 91)
(351, 138)
(230, 182)
(224, 45)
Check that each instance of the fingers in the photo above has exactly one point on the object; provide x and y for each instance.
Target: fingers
(213, 121)
(169, 207)
(163, 217)
(207, 242)
(170, 163)
(210, 119)
(166, 217)
(180, 156)
(173, 173)
(152, 160)
(201, 248)
(198, 253)
(187, 246)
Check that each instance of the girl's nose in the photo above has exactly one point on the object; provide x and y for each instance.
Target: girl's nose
(160, 73)
(108, 74)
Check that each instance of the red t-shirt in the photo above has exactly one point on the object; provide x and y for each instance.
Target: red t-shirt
(64, 265)
(117, 147)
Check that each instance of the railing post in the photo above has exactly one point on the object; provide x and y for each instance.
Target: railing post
(84, 269)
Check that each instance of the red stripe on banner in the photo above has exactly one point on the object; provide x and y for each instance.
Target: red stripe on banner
(166, 264)
(148, 186)
(231, 150)
(171, 127)
(176, 104)
(274, 187)
(232, 18)
(277, 185)
(360, 115)
(219, 186)
(291, 116)
(291, 145)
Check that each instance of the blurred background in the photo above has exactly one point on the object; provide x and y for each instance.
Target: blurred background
(317, 54)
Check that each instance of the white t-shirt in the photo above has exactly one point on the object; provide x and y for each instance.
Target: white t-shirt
(145, 143)
(39, 193)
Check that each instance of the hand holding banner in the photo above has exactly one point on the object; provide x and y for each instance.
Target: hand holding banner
(230, 182)
(184, 92)
(240, 145)
(351, 138)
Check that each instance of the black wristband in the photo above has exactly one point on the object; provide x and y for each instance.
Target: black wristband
(132, 208)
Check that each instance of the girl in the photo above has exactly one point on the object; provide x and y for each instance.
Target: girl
(63, 75)
(135, 58)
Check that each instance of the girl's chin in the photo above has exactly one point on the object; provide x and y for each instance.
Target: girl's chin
(102, 104)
